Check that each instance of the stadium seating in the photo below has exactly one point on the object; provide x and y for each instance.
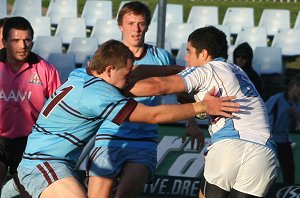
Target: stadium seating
(230, 53)
(181, 54)
(69, 28)
(226, 30)
(41, 25)
(236, 18)
(174, 13)
(27, 8)
(255, 36)
(267, 60)
(44, 45)
(3, 8)
(151, 34)
(81, 47)
(297, 21)
(274, 19)
(58, 9)
(106, 29)
(288, 40)
(177, 33)
(94, 10)
(64, 63)
(87, 59)
(121, 5)
(201, 16)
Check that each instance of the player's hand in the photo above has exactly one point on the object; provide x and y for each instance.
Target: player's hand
(220, 106)
(192, 130)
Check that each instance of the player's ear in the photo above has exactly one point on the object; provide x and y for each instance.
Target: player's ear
(109, 70)
(204, 54)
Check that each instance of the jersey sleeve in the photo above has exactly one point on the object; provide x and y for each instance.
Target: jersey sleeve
(106, 102)
(196, 78)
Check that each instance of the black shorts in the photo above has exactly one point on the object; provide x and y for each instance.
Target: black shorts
(11, 151)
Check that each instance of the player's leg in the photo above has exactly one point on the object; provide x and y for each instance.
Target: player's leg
(138, 168)
(50, 179)
(16, 149)
(62, 188)
(100, 186)
(3, 160)
(208, 190)
(236, 194)
(257, 172)
(222, 163)
(132, 180)
(3, 172)
(286, 161)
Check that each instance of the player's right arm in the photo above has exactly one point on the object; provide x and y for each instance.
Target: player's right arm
(171, 113)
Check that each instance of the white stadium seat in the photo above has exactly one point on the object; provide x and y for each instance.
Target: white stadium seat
(201, 16)
(236, 18)
(274, 19)
(58, 9)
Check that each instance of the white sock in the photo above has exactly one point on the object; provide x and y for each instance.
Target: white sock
(9, 189)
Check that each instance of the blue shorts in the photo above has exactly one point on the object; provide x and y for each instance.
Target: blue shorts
(108, 161)
(38, 179)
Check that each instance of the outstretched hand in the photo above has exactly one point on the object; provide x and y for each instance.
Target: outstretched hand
(220, 106)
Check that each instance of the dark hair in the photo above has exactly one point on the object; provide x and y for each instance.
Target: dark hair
(211, 39)
(111, 52)
(19, 23)
(137, 8)
(2, 21)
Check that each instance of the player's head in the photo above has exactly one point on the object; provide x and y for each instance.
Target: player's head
(136, 8)
(206, 43)
(17, 38)
(115, 60)
(2, 21)
(18, 23)
(133, 20)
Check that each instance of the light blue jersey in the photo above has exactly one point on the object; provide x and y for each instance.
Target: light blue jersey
(72, 116)
(251, 122)
(136, 135)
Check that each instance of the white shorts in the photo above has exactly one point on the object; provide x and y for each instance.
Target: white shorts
(245, 166)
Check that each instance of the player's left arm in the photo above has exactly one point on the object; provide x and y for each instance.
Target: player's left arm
(146, 71)
(156, 86)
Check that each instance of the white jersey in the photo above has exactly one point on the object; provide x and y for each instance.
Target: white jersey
(251, 122)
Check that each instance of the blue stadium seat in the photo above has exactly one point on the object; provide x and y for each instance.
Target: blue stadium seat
(267, 60)
(64, 63)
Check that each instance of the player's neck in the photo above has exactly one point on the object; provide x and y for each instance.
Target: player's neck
(137, 50)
